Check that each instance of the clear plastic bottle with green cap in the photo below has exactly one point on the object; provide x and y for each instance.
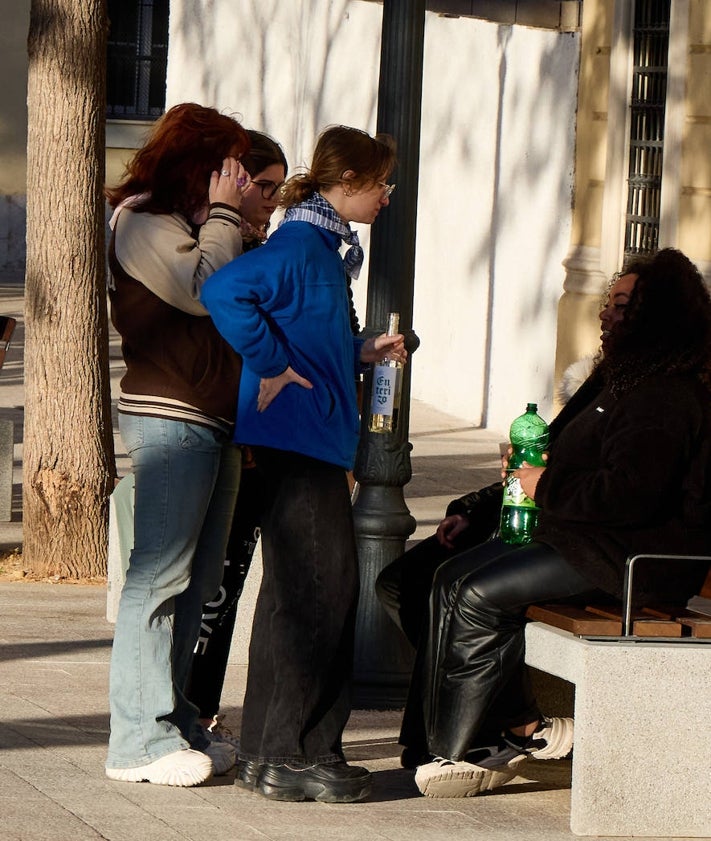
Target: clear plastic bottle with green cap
(519, 513)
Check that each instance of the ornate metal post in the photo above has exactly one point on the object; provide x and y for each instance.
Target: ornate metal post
(383, 522)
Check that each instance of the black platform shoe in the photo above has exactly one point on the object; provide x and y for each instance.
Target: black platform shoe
(332, 782)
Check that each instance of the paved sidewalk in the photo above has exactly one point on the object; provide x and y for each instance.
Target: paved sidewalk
(54, 654)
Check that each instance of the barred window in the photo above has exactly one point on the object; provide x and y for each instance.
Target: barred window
(647, 105)
(136, 59)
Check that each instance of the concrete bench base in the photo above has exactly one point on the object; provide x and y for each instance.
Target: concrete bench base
(641, 761)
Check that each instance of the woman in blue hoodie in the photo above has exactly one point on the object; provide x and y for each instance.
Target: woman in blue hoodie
(284, 307)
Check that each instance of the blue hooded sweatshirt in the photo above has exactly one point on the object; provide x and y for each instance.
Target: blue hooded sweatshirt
(286, 303)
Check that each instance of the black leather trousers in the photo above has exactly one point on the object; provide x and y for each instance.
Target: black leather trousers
(470, 679)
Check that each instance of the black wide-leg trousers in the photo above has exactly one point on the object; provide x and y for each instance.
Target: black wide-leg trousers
(298, 696)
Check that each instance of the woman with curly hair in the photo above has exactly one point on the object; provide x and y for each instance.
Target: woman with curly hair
(176, 220)
(629, 473)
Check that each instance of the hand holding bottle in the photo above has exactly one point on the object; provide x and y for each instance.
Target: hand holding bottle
(528, 476)
(374, 349)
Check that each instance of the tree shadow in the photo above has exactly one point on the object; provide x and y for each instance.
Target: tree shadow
(34, 650)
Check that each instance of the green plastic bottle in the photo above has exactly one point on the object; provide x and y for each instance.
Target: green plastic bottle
(519, 514)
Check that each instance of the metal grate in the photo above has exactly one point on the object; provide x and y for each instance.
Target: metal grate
(137, 56)
(649, 83)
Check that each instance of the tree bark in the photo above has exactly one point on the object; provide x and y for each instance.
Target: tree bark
(68, 459)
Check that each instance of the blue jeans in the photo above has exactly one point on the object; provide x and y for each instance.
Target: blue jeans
(298, 696)
(187, 478)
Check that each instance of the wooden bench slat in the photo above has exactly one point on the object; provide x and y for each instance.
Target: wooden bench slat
(574, 619)
(646, 622)
(606, 619)
(699, 626)
(657, 628)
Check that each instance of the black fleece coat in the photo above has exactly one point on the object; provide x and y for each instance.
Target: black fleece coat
(632, 475)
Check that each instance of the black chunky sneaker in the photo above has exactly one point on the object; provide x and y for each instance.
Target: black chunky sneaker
(332, 782)
(247, 773)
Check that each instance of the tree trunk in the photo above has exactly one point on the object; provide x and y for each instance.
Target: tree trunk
(68, 459)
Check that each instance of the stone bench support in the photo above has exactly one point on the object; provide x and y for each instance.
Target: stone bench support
(641, 760)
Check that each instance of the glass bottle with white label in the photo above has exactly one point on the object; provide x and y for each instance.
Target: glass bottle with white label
(387, 387)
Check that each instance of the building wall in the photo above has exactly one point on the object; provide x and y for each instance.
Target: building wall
(601, 159)
(694, 232)
(495, 191)
(15, 15)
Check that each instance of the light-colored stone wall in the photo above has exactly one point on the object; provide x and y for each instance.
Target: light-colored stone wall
(695, 168)
(577, 326)
(15, 15)
(495, 190)
(601, 159)
(593, 92)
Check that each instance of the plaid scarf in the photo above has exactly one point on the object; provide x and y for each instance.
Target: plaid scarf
(316, 210)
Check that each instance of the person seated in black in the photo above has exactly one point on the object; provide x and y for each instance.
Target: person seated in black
(627, 473)
(403, 587)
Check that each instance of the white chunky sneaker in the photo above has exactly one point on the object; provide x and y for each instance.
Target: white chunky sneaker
(222, 755)
(180, 768)
(552, 740)
(488, 769)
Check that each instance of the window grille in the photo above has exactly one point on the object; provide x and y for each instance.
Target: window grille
(649, 82)
(136, 58)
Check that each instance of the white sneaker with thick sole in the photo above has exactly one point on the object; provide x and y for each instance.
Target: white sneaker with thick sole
(180, 768)
(222, 755)
(449, 778)
(553, 739)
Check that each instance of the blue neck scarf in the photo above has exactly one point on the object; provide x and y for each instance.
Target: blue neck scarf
(316, 210)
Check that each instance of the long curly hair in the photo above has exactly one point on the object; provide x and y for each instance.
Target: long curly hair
(338, 149)
(173, 168)
(666, 327)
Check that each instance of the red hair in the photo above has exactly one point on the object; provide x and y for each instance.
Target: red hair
(186, 145)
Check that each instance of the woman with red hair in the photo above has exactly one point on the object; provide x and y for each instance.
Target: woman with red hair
(176, 221)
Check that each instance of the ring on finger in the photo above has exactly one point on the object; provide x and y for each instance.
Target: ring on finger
(225, 172)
